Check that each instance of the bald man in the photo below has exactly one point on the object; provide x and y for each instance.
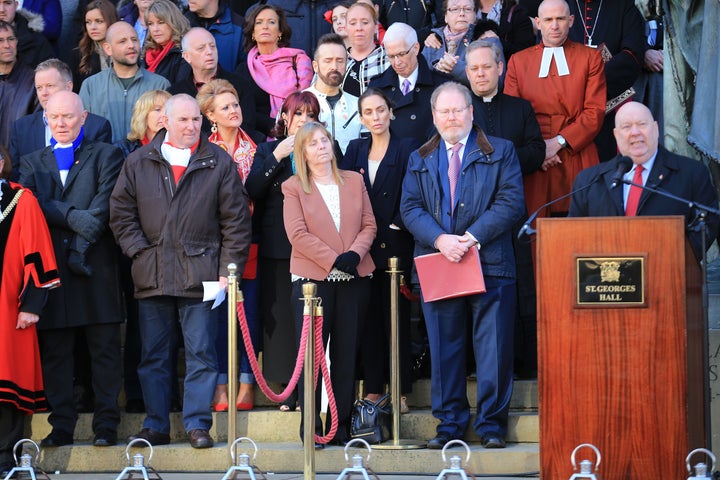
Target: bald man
(113, 92)
(72, 179)
(636, 133)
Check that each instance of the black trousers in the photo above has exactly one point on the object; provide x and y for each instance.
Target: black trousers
(344, 309)
(12, 423)
(56, 352)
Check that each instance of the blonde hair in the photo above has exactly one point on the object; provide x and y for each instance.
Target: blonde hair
(207, 93)
(168, 12)
(303, 171)
(143, 106)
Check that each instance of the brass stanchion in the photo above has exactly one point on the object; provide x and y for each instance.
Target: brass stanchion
(311, 301)
(234, 296)
(397, 443)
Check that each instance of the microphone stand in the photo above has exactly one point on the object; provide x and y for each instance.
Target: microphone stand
(698, 223)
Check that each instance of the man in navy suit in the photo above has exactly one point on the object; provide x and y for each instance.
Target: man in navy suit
(463, 190)
(31, 132)
(636, 133)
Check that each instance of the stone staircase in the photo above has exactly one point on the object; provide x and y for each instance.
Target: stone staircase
(280, 450)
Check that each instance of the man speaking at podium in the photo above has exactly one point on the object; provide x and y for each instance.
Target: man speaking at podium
(604, 190)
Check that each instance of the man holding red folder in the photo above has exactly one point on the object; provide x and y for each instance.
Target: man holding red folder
(464, 190)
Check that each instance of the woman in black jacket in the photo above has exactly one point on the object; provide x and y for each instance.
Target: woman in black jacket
(162, 53)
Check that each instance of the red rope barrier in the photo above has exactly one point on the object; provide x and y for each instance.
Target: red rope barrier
(320, 363)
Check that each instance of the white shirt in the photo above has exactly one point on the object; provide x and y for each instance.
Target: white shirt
(412, 79)
(647, 166)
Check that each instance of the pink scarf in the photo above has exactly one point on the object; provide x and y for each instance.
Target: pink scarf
(280, 73)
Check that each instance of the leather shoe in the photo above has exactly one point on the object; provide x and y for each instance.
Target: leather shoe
(492, 441)
(200, 438)
(105, 440)
(153, 436)
(438, 442)
(57, 439)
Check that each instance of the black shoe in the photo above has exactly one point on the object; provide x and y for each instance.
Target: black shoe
(5, 469)
(492, 440)
(135, 406)
(57, 439)
(319, 446)
(200, 438)
(153, 436)
(104, 441)
(438, 442)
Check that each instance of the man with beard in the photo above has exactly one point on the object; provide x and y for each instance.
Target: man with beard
(338, 109)
(112, 93)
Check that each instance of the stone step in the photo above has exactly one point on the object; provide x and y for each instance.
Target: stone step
(524, 394)
(263, 425)
(517, 458)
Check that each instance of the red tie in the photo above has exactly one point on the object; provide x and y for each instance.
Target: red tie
(635, 192)
(454, 172)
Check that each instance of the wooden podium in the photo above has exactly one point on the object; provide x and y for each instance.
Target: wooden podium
(629, 378)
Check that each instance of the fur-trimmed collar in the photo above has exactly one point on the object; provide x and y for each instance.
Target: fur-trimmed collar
(35, 21)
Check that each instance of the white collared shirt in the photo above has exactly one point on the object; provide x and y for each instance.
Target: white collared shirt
(412, 79)
(647, 166)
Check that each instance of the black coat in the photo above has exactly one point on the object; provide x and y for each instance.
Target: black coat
(28, 135)
(173, 66)
(384, 196)
(413, 114)
(74, 64)
(513, 119)
(80, 300)
(263, 187)
(621, 27)
(681, 176)
(32, 46)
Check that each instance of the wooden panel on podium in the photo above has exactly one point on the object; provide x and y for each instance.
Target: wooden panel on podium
(630, 380)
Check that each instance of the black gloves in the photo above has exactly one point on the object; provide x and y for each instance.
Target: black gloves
(86, 224)
(347, 262)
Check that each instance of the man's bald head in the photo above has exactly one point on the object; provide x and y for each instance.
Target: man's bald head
(118, 28)
(65, 115)
(200, 51)
(553, 4)
(636, 132)
(554, 22)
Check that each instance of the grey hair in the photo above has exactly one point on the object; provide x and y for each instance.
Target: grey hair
(458, 87)
(477, 44)
(400, 31)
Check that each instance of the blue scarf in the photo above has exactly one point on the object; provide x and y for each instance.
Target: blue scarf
(65, 154)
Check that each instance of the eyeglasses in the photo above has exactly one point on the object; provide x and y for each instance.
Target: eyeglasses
(445, 112)
(399, 56)
(456, 10)
(8, 40)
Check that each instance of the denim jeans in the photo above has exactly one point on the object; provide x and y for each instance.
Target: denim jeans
(158, 333)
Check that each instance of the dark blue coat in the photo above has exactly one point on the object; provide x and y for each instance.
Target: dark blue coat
(675, 174)
(385, 196)
(27, 135)
(413, 114)
(489, 201)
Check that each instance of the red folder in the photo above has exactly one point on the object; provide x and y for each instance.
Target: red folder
(441, 279)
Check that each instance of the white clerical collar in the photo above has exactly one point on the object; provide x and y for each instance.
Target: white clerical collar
(560, 62)
(489, 98)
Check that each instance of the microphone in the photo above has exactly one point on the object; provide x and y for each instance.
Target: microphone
(527, 230)
(624, 165)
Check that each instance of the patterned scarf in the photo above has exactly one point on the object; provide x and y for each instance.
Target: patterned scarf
(243, 154)
(65, 153)
(280, 73)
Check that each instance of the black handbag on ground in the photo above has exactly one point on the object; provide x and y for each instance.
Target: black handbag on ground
(371, 420)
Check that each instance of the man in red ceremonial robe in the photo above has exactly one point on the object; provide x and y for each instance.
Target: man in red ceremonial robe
(565, 83)
(28, 270)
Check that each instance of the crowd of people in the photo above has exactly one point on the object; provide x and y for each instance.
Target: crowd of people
(179, 137)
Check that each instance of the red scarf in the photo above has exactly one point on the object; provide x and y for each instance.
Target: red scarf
(154, 56)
